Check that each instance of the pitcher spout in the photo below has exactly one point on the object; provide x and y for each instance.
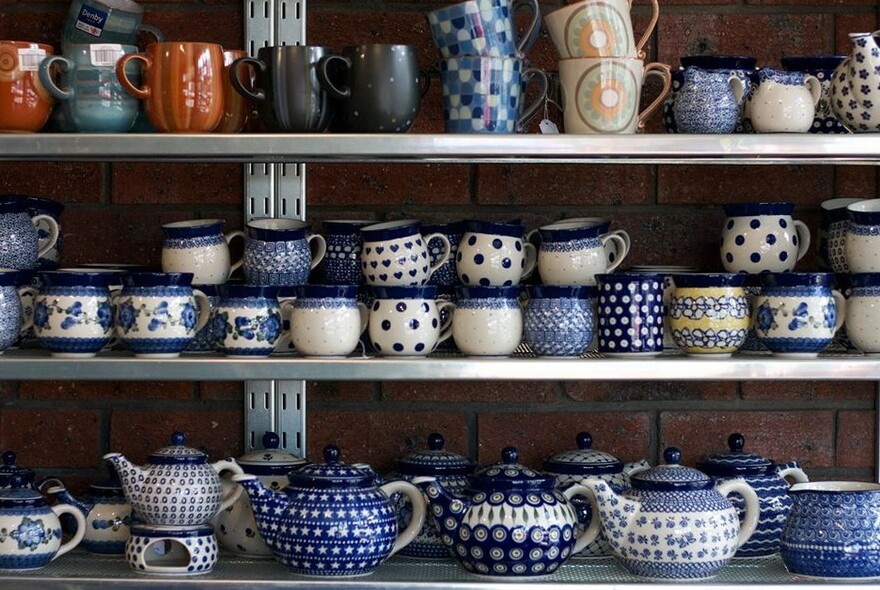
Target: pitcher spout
(268, 507)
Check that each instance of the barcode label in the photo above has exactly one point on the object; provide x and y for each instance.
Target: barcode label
(29, 59)
(105, 54)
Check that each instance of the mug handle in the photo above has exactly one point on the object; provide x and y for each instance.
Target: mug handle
(840, 302)
(738, 86)
(154, 31)
(320, 248)
(803, 234)
(365, 316)
(324, 76)
(815, 88)
(142, 93)
(530, 35)
(45, 75)
(529, 111)
(27, 323)
(620, 244)
(665, 72)
(49, 243)
(533, 236)
(531, 254)
(655, 14)
(446, 327)
(426, 76)
(204, 305)
(447, 248)
(257, 94)
(229, 237)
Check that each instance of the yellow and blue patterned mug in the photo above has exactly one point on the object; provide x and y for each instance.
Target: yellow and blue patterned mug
(709, 313)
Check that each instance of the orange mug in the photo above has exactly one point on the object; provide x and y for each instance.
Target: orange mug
(183, 85)
(235, 111)
(25, 104)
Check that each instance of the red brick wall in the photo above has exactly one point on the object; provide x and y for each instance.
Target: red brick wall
(114, 213)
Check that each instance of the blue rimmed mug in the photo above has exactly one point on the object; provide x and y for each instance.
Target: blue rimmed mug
(327, 320)
(762, 237)
(405, 320)
(572, 253)
(105, 21)
(487, 321)
(863, 311)
(21, 245)
(395, 253)
(200, 247)
(158, 313)
(445, 273)
(38, 206)
(862, 241)
(559, 320)
(708, 313)
(205, 339)
(483, 28)
(630, 314)
(248, 320)
(279, 252)
(14, 323)
(494, 254)
(833, 227)
(341, 264)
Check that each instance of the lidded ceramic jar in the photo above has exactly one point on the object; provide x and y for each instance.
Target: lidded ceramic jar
(768, 481)
(584, 463)
(10, 469)
(235, 526)
(447, 467)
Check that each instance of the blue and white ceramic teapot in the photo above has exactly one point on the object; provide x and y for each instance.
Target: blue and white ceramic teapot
(511, 522)
(333, 520)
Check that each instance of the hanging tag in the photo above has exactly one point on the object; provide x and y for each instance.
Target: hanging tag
(547, 126)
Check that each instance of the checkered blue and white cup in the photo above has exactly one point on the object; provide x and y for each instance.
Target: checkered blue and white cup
(487, 94)
(483, 27)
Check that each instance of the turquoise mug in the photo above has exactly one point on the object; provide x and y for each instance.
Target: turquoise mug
(105, 21)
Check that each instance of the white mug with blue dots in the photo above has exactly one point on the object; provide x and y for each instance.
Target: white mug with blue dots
(494, 254)
(762, 237)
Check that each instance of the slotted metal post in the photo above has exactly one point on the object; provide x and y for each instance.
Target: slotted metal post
(275, 190)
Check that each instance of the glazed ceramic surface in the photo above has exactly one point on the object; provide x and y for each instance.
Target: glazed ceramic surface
(405, 321)
(511, 522)
(445, 273)
(25, 104)
(395, 253)
(762, 237)
(235, 526)
(833, 227)
(572, 253)
(494, 254)
(177, 486)
(200, 247)
(598, 28)
(483, 28)
(248, 320)
(674, 523)
(13, 323)
(332, 520)
(20, 244)
(584, 463)
(105, 21)
(73, 314)
(172, 550)
(862, 241)
(558, 321)
(205, 340)
(855, 96)
(709, 313)
(630, 314)
(863, 312)
(327, 320)
(708, 101)
(8, 469)
(279, 252)
(342, 262)
(822, 67)
(783, 102)
(769, 483)
(49, 238)
(487, 321)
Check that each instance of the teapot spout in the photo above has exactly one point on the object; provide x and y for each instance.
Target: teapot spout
(129, 473)
(267, 505)
(616, 511)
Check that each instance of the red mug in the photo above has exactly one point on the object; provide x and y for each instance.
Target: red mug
(25, 104)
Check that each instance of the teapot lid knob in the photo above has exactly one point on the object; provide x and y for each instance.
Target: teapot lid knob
(509, 455)
(435, 441)
(331, 454)
(271, 440)
(9, 458)
(584, 440)
(736, 442)
(16, 480)
(672, 456)
(178, 438)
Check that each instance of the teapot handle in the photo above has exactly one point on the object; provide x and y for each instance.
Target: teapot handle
(234, 491)
(592, 531)
(60, 509)
(752, 507)
(794, 471)
(406, 536)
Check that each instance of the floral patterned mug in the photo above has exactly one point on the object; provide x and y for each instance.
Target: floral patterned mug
(248, 320)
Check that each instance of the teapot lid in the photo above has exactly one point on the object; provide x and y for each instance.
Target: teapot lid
(735, 462)
(507, 474)
(9, 468)
(177, 453)
(584, 460)
(672, 476)
(435, 460)
(271, 460)
(20, 493)
(333, 473)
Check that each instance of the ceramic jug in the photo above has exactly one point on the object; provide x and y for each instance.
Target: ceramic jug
(855, 86)
(20, 243)
(783, 102)
(336, 507)
(821, 66)
(708, 101)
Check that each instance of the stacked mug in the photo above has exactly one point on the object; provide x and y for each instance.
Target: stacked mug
(602, 68)
(482, 65)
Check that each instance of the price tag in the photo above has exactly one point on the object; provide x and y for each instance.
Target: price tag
(548, 127)
(29, 58)
(105, 54)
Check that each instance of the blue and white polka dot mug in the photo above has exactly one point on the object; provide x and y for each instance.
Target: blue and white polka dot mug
(494, 255)
(762, 237)
(405, 321)
(630, 314)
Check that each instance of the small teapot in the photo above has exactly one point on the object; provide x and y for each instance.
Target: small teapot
(30, 530)
(674, 523)
(768, 481)
(333, 520)
(177, 486)
(511, 522)
(235, 526)
(107, 514)
(9, 469)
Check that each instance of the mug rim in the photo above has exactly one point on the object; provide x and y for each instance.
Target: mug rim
(157, 279)
(127, 5)
(403, 292)
(708, 279)
(865, 206)
(561, 291)
(796, 279)
(390, 230)
(315, 291)
(192, 223)
(77, 278)
(464, 292)
(598, 59)
(510, 230)
(835, 487)
(45, 205)
(28, 45)
(840, 203)
(759, 208)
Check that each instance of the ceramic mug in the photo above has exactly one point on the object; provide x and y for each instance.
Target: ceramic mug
(90, 96)
(862, 241)
(797, 313)
(822, 67)
(200, 247)
(395, 253)
(279, 252)
(833, 227)
(157, 314)
(601, 95)
(571, 253)
(14, 324)
(73, 312)
(29, 232)
(483, 28)
(487, 94)
(248, 320)
(709, 313)
(630, 314)
(25, 104)
(445, 273)
(327, 320)
(170, 550)
(604, 225)
(598, 28)
(487, 321)
(863, 312)
(708, 101)
(341, 264)
(105, 21)
(559, 320)
(783, 102)
(405, 321)
(666, 271)
(235, 107)
(182, 86)
(494, 254)
(286, 90)
(205, 340)
(762, 237)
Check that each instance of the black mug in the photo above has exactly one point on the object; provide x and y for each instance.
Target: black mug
(288, 96)
(381, 87)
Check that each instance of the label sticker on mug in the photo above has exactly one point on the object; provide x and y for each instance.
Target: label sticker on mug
(105, 54)
(29, 58)
(91, 20)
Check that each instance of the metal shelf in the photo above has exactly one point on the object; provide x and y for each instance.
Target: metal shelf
(81, 570)
(37, 364)
(448, 148)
